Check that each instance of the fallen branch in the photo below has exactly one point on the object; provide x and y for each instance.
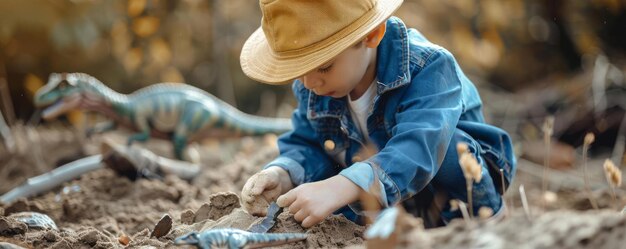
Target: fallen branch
(127, 161)
(42, 183)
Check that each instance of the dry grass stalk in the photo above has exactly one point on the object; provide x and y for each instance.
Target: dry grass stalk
(548, 129)
(485, 213)
(454, 205)
(589, 138)
(613, 176)
(619, 148)
(506, 208)
(370, 200)
(464, 211)
(471, 170)
(522, 194)
(462, 148)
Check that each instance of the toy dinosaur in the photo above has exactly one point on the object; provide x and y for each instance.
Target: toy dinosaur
(35, 220)
(175, 111)
(235, 239)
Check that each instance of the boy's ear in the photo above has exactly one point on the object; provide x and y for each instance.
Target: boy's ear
(373, 38)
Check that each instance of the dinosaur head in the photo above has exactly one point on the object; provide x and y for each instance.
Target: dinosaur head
(61, 94)
(188, 239)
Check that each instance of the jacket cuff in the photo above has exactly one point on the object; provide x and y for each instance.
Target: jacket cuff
(362, 174)
(295, 170)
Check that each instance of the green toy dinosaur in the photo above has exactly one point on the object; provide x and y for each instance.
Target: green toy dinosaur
(175, 111)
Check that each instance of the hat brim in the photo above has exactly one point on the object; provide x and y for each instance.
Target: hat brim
(261, 63)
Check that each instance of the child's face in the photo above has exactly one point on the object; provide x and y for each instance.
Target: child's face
(340, 76)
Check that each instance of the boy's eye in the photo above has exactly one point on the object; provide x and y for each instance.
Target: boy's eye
(325, 69)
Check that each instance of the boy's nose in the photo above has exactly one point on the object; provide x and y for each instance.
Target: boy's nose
(311, 82)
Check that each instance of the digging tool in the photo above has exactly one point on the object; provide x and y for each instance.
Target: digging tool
(269, 221)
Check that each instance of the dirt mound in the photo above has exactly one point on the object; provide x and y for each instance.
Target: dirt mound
(557, 229)
(104, 210)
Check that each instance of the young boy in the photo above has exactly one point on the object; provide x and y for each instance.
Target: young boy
(361, 77)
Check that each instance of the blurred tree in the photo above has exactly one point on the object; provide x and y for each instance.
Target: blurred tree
(134, 43)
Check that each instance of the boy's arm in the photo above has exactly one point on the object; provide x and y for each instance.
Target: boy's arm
(300, 152)
(425, 122)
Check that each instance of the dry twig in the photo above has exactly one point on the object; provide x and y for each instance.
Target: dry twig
(52, 179)
(548, 128)
(464, 211)
(522, 194)
(471, 170)
(589, 138)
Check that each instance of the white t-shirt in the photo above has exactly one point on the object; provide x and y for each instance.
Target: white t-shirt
(359, 108)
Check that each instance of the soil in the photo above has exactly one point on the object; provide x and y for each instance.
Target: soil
(104, 210)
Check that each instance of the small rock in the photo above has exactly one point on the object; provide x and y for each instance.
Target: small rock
(109, 225)
(10, 227)
(61, 244)
(50, 236)
(162, 227)
(20, 205)
(223, 204)
(187, 217)
(220, 205)
(202, 213)
(239, 219)
(124, 239)
(35, 220)
(90, 237)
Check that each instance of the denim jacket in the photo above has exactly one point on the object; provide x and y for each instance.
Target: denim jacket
(422, 96)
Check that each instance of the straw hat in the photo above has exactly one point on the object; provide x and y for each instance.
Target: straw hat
(297, 36)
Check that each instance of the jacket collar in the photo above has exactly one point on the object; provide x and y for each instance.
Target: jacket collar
(392, 71)
(392, 66)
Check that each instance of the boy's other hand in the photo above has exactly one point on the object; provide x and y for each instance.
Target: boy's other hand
(312, 202)
(263, 188)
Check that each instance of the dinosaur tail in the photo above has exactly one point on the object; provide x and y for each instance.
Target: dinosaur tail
(247, 124)
(276, 239)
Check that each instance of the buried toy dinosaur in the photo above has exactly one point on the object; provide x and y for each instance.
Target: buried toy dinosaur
(235, 239)
(175, 111)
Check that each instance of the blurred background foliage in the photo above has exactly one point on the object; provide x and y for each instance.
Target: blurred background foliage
(511, 44)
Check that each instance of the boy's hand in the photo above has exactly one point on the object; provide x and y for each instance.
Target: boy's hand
(313, 202)
(263, 188)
